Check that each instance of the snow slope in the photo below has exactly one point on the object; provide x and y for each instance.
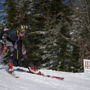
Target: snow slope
(27, 81)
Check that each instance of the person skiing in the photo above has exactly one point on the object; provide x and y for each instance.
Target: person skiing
(16, 48)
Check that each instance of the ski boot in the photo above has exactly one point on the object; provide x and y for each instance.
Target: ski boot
(34, 70)
(10, 67)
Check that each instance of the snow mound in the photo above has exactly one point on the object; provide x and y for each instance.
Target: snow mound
(27, 81)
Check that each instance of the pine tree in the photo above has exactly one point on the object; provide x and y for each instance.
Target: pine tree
(79, 31)
(11, 10)
(55, 14)
(54, 33)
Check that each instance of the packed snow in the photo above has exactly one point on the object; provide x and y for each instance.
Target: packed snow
(27, 81)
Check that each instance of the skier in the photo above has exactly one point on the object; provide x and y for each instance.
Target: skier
(16, 47)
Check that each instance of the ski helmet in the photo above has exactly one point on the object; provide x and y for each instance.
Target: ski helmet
(21, 29)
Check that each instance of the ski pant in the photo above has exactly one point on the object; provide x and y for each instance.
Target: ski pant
(15, 53)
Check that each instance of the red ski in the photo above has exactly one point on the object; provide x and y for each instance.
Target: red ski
(56, 77)
(49, 76)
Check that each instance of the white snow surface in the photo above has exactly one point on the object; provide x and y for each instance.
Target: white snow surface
(27, 81)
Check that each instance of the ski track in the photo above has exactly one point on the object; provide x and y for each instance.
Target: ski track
(27, 81)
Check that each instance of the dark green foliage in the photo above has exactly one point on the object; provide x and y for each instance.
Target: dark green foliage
(47, 20)
(11, 13)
